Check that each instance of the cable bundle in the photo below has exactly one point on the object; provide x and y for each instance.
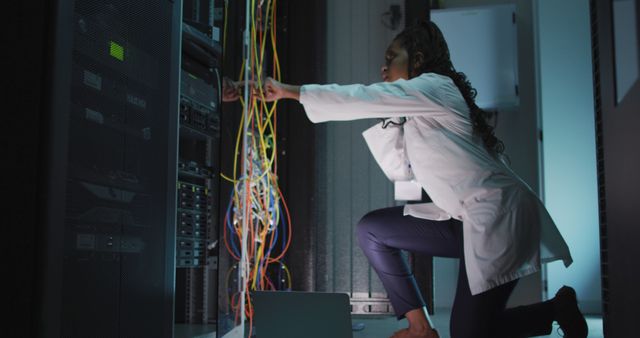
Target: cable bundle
(257, 224)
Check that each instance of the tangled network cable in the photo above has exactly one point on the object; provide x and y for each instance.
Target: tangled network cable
(257, 224)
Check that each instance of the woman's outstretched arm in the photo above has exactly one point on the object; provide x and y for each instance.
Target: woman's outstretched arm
(428, 94)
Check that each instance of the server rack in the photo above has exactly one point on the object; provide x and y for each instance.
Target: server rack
(108, 152)
(199, 164)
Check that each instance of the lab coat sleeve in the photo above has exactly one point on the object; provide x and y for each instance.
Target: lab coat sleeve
(424, 95)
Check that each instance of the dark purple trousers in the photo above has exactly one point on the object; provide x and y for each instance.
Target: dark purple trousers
(383, 233)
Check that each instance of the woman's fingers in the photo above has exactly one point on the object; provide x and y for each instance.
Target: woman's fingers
(259, 94)
(232, 90)
(229, 90)
(270, 92)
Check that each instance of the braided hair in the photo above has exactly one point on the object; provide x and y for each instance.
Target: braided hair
(427, 39)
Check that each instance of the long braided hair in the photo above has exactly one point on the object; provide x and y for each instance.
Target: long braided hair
(427, 39)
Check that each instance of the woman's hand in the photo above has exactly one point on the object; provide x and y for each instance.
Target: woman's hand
(275, 90)
(230, 90)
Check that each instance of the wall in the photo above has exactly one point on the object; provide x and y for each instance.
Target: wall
(349, 182)
(567, 113)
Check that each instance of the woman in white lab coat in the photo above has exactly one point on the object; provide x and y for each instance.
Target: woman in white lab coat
(482, 212)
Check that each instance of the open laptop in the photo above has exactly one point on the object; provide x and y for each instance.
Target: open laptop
(295, 314)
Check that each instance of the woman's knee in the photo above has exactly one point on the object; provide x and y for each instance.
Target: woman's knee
(368, 226)
(363, 227)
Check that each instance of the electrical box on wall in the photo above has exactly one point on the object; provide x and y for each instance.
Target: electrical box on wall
(483, 44)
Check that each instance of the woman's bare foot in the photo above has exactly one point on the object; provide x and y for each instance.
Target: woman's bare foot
(408, 333)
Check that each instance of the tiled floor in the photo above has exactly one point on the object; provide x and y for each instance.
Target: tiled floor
(383, 327)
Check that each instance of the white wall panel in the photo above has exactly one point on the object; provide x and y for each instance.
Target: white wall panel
(350, 182)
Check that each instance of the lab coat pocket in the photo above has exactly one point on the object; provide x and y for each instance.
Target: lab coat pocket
(387, 147)
(484, 210)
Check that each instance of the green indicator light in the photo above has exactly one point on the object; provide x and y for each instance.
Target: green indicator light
(192, 76)
(116, 50)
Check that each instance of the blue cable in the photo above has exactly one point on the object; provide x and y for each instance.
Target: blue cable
(230, 226)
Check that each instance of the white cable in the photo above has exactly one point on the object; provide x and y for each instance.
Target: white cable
(244, 258)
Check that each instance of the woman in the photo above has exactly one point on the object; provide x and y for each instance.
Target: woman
(482, 212)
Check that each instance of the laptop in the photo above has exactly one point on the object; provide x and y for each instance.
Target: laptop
(295, 314)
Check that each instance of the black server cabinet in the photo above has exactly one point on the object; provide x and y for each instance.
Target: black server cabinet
(106, 177)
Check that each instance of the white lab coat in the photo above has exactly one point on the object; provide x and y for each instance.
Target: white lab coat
(507, 231)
